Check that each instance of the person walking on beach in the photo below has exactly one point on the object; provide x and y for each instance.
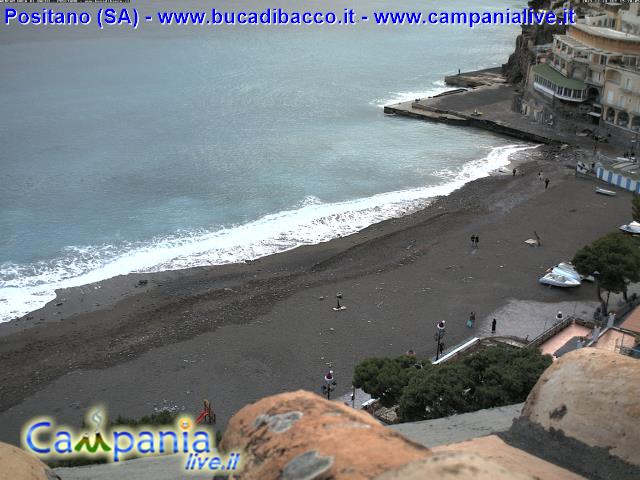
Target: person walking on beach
(493, 326)
(477, 240)
(472, 320)
(540, 175)
(473, 240)
(546, 183)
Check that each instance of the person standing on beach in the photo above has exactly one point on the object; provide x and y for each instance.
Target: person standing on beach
(477, 240)
(473, 240)
(546, 183)
(514, 172)
(493, 326)
(472, 320)
(540, 175)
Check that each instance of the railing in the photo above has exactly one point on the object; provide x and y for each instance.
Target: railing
(455, 351)
(551, 332)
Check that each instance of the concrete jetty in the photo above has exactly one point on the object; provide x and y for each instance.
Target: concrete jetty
(489, 107)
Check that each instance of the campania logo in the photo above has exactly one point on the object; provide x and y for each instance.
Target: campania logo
(43, 437)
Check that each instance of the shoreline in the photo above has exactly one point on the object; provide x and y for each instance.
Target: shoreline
(87, 297)
(216, 332)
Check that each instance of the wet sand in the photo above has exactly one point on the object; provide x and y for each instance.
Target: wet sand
(236, 333)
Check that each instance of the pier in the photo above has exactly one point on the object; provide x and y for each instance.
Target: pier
(489, 107)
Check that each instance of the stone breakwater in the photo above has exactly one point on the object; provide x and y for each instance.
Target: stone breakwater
(488, 107)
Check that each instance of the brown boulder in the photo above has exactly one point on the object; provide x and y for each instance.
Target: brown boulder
(16, 464)
(592, 396)
(300, 435)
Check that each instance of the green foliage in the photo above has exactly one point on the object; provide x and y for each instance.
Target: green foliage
(635, 208)
(491, 377)
(158, 418)
(384, 378)
(617, 259)
(435, 392)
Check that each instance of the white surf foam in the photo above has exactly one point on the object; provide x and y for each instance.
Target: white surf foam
(25, 288)
(399, 97)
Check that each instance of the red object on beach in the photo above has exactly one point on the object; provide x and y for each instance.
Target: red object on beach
(201, 417)
(207, 414)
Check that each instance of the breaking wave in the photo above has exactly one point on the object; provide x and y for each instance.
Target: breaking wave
(399, 97)
(25, 288)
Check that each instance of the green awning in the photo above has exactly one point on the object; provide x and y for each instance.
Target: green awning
(557, 78)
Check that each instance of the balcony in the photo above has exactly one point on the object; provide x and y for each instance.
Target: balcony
(548, 81)
(593, 81)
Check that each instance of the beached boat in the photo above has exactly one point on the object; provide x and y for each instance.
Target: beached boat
(633, 227)
(567, 269)
(608, 193)
(558, 280)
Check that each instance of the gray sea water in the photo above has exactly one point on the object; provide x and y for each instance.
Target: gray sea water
(167, 148)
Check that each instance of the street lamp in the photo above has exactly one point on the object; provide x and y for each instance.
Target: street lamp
(440, 331)
(338, 307)
(596, 276)
(329, 384)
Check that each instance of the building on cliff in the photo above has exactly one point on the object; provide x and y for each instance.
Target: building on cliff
(591, 74)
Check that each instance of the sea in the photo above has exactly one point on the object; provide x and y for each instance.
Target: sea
(166, 148)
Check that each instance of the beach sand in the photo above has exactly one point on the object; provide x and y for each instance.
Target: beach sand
(236, 333)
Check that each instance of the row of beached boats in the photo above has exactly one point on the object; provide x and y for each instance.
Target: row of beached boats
(564, 274)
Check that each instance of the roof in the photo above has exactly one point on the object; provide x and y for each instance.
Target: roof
(612, 339)
(606, 32)
(632, 322)
(560, 339)
(557, 78)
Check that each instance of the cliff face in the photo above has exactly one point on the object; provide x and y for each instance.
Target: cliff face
(515, 70)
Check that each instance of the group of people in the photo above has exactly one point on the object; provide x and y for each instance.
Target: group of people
(546, 180)
(475, 239)
(472, 321)
(540, 176)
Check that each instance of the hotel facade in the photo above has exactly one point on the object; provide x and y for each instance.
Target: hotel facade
(595, 67)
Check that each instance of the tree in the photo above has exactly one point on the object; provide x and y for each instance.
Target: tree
(384, 378)
(635, 208)
(491, 377)
(615, 258)
(503, 375)
(435, 392)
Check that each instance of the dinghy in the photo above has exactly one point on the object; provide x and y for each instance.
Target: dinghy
(633, 227)
(568, 270)
(557, 280)
(608, 193)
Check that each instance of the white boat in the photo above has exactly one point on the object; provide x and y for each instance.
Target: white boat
(567, 269)
(633, 227)
(558, 280)
(608, 193)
